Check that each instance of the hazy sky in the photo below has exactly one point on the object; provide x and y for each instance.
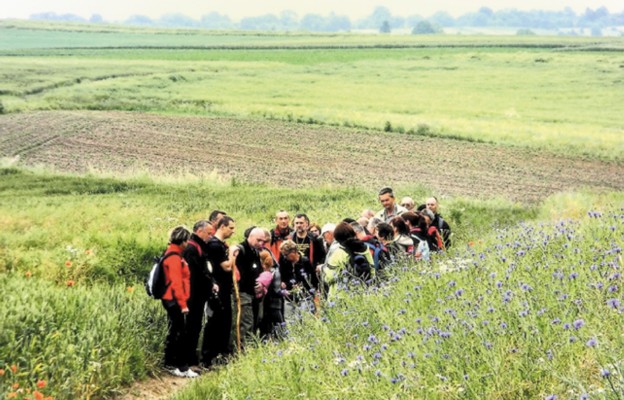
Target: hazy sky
(117, 10)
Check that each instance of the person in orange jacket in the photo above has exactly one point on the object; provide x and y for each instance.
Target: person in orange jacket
(178, 278)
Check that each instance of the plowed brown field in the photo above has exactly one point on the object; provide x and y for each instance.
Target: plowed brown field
(292, 154)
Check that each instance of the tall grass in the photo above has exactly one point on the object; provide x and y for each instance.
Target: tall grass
(74, 250)
(531, 311)
(83, 341)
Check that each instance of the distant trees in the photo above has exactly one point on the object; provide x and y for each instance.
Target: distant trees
(52, 16)
(382, 20)
(385, 27)
(425, 28)
(214, 20)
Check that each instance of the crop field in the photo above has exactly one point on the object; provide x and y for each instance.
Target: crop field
(293, 155)
(110, 136)
(545, 92)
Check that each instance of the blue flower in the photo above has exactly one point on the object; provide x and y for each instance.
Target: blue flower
(551, 397)
(592, 342)
(613, 303)
(578, 324)
(344, 372)
(605, 373)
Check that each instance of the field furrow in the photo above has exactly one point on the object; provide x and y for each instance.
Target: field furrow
(293, 155)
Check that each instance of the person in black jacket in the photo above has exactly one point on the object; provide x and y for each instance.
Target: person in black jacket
(202, 284)
(221, 258)
(249, 268)
(298, 275)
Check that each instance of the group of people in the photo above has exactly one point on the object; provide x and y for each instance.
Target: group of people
(237, 292)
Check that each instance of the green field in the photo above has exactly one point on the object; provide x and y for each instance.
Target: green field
(562, 94)
(526, 304)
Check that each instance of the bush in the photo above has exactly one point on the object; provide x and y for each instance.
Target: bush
(425, 28)
(525, 32)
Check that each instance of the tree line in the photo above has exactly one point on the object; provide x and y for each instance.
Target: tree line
(381, 19)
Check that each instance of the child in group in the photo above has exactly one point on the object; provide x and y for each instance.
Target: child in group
(271, 289)
(266, 276)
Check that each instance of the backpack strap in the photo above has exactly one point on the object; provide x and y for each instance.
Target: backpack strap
(196, 245)
(166, 270)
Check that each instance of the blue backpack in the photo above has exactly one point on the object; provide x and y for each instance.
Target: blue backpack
(360, 266)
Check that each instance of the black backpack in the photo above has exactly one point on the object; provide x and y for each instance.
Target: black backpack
(360, 267)
(156, 284)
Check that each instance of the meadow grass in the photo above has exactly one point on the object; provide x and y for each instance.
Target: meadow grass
(513, 93)
(75, 249)
(527, 311)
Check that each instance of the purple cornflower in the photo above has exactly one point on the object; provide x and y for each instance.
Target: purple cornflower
(344, 372)
(592, 342)
(613, 303)
(551, 397)
(555, 321)
(605, 373)
(578, 324)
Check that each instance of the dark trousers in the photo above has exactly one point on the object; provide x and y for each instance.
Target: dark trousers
(272, 322)
(217, 331)
(194, 321)
(175, 343)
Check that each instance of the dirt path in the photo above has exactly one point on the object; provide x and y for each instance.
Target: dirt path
(292, 154)
(161, 387)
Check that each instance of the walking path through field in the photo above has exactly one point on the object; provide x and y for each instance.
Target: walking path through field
(161, 387)
(293, 154)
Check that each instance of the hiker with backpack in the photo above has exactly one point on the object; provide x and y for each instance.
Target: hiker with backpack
(418, 232)
(351, 260)
(440, 223)
(434, 239)
(401, 235)
(175, 300)
(202, 284)
(373, 244)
